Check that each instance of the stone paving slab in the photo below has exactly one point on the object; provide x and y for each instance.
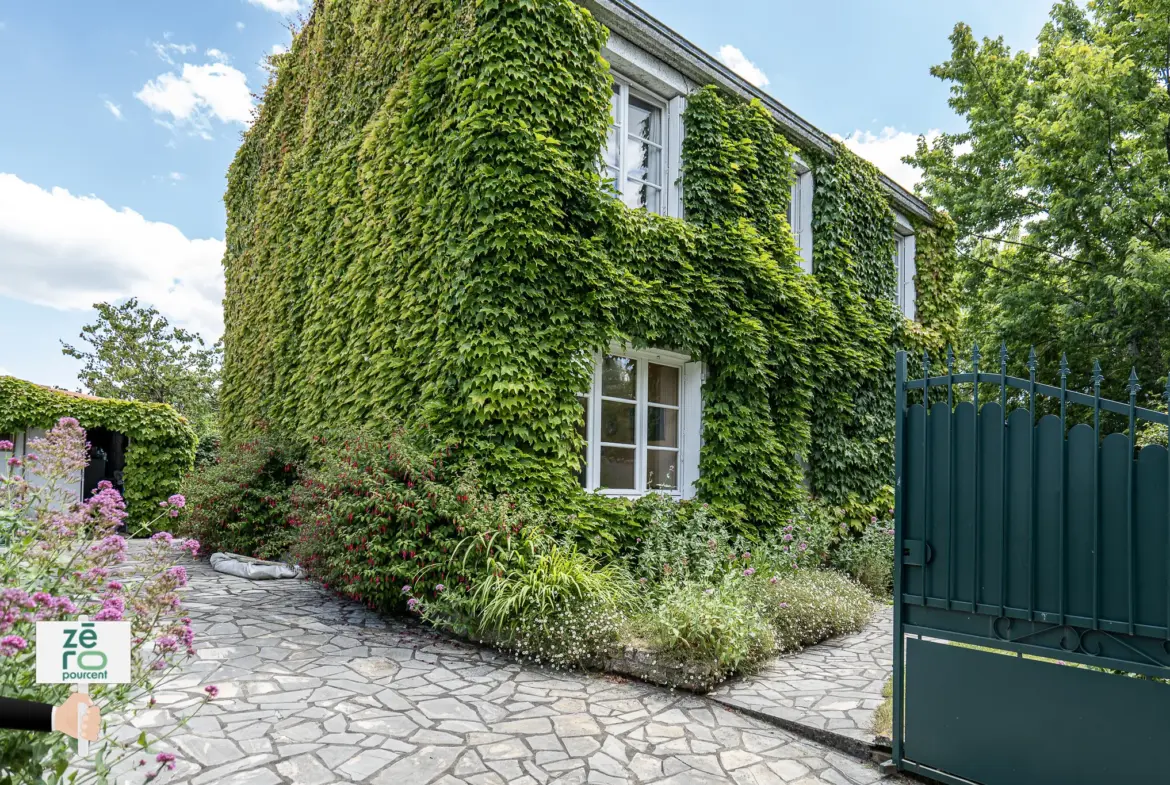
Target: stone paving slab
(827, 692)
(316, 690)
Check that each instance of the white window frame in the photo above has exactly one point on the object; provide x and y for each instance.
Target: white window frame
(800, 212)
(905, 293)
(670, 199)
(689, 423)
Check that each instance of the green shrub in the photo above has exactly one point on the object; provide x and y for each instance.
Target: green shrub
(528, 594)
(681, 542)
(240, 502)
(379, 513)
(809, 606)
(870, 558)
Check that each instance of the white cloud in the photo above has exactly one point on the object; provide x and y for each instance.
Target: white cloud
(279, 49)
(279, 6)
(115, 110)
(216, 54)
(885, 150)
(176, 176)
(199, 93)
(239, 25)
(164, 49)
(68, 252)
(736, 61)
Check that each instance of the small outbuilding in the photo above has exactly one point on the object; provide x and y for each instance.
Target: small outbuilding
(143, 449)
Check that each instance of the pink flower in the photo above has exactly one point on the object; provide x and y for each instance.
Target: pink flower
(162, 537)
(406, 589)
(5, 445)
(440, 588)
(787, 538)
(191, 546)
(783, 605)
(11, 644)
(114, 586)
(773, 580)
(14, 462)
(750, 571)
(166, 757)
(68, 422)
(212, 691)
(412, 603)
(178, 573)
(873, 519)
(804, 546)
(178, 500)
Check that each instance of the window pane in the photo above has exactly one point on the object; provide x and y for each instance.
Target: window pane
(583, 432)
(643, 161)
(661, 427)
(645, 120)
(638, 195)
(663, 381)
(617, 422)
(662, 470)
(617, 468)
(610, 155)
(619, 377)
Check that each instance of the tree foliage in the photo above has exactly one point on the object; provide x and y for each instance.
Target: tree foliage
(134, 354)
(1060, 189)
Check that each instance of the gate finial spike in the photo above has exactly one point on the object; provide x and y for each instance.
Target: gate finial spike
(1064, 365)
(1133, 385)
(1003, 357)
(1032, 359)
(975, 354)
(926, 363)
(950, 358)
(1098, 377)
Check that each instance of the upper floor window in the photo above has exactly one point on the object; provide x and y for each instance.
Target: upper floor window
(904, 269)
(800, 207)
(635, 152)
(640, 423)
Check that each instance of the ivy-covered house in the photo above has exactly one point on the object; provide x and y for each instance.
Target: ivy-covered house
(143, 449)
(562, 234)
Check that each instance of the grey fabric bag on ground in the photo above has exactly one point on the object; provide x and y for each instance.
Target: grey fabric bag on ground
(252, 569)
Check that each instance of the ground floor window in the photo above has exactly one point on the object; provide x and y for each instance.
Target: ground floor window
(641, 424)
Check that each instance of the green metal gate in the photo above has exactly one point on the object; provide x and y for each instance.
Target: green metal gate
(1019, 535)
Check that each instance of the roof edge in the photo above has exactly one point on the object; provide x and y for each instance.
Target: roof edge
(633, 23)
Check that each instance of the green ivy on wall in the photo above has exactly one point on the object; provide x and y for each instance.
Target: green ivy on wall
(162, 444)
(417, 228)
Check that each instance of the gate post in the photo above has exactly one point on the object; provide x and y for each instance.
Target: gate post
(899, 537)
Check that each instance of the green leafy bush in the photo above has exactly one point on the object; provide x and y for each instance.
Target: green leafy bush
(737, 624)
(870, 557)
(707, 625)
(531, 595)
(808, 606)
(240, 502)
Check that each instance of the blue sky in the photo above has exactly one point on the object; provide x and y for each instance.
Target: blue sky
(121, 118)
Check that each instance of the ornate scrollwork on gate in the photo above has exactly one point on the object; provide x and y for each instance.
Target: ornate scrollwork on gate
(1066, 639)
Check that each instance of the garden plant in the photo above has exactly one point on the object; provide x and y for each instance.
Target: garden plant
(60, 559)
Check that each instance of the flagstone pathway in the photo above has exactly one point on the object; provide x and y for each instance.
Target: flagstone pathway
(315, 690)
(832, 688)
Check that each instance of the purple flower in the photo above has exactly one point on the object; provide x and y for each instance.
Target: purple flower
(166, 643)
(178, 500)
(773, 580)
(873, 519)
(804, 546)
(14, 462)
(191, 546)
(178, 574)
(167, 758)
(212, 691)
(412, 603)
(440, 588)
(11, 644)
(162, 537)
(747, 554)
(5, 445)
(750, 571)
(406, 589)
(787, 538)
(114, 586)
(783, 605)
(709, 592)
(68, 422)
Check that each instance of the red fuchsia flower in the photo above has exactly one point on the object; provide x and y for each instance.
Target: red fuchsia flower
(11, 644)
(5, 445)
(212, 691)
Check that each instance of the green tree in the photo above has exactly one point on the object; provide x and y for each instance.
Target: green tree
(135, 354)
(1060, 189)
